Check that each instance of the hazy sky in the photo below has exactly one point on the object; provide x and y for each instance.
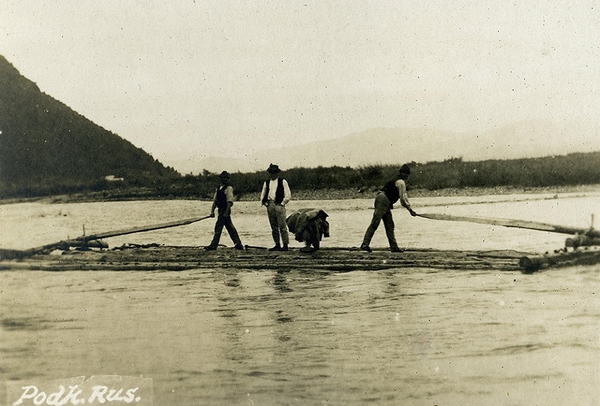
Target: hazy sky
(185, 79)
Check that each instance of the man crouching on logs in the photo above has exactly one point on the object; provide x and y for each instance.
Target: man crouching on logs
(309, 226)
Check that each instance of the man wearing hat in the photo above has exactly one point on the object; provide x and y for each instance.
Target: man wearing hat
(393, 191)
(275, 195)
(223, 201)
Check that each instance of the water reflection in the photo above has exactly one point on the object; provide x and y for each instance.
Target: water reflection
(284, 337)
(280, 282)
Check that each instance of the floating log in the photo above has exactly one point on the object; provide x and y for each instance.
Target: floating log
(560, 258)
(63, 245)
(582, 240)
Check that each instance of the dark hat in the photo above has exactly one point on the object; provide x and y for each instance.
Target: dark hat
(224, 174)
(273, 169)
(405, 170)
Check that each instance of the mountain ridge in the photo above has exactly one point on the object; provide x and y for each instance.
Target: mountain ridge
(394, 146)
(46, 144)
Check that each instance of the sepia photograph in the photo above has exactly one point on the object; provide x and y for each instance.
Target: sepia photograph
(299, 202)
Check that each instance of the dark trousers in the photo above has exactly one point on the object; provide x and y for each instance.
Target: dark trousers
(383, 211)
(226, 222)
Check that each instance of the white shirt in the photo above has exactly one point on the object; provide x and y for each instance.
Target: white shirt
(401, 185)
(273, 183)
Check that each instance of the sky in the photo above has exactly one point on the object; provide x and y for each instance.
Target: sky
(189, 79)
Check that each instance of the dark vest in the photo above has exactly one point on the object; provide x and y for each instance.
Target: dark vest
(391, 191)
(279, 194)
(221, 197)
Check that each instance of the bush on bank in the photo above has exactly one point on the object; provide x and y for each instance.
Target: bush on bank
(323, 182)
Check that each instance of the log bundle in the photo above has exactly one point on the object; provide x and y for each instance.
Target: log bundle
(560, 258)
(157, 257)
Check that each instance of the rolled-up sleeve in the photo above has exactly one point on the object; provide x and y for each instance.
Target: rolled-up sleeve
(229, 194)
(403, 195)
(287, 193)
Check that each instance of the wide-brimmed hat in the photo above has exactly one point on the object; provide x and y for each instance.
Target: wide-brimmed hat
(224, 174)
(273, 169)
(404, 170)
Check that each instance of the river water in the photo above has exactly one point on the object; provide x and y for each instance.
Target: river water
(245, 337)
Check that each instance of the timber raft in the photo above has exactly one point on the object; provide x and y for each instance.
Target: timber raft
(154, 257)
(91, 253)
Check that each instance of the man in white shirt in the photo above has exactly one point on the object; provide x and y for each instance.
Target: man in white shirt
(275, 195)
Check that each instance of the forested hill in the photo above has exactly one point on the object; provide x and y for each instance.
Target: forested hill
(45, 145)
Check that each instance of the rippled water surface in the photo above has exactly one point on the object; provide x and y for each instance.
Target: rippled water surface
(241, 337)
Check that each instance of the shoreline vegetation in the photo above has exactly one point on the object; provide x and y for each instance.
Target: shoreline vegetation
(323, 194)
(452, 177)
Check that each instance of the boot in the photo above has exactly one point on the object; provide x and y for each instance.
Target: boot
(284, 248)
(277, 247)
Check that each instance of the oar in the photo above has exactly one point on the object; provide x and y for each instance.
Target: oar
(530, 225)
(109, 234)
(85, 239)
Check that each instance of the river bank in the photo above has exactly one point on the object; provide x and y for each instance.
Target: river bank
(320, 194)
(449, 192)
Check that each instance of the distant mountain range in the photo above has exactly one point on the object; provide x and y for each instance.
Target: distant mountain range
(394, 146)
(44, 143)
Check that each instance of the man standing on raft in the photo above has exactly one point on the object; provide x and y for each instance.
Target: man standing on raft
(275, 195)
(223, 201)
(393, 191)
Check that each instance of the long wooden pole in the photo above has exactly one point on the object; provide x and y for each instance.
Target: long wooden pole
(530, 225)
(84, 240)
(141, 229)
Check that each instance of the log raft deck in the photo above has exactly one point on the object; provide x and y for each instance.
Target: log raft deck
(170, 258)
(91, 254)
(157, 257)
